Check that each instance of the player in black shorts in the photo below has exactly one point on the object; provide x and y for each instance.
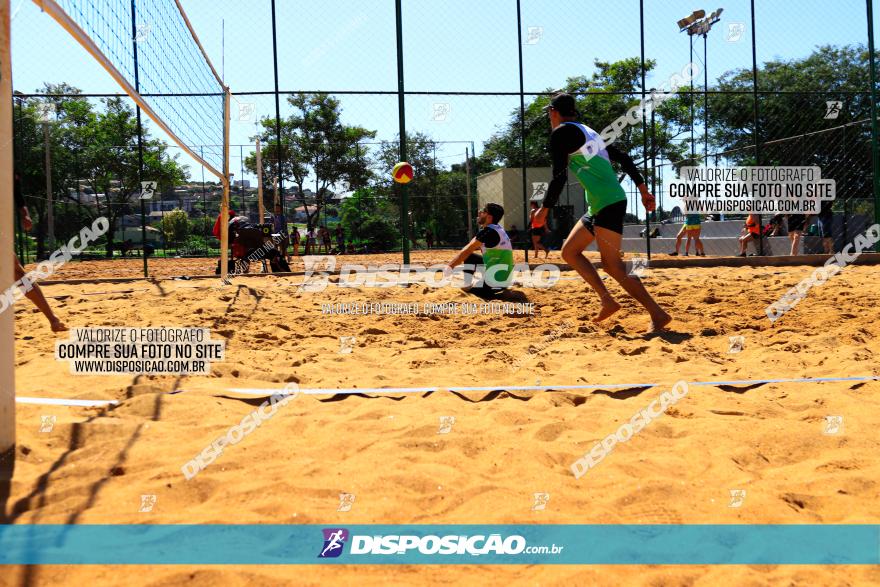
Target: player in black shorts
(577, 147)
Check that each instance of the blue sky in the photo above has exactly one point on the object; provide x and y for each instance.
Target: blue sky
(449, 46)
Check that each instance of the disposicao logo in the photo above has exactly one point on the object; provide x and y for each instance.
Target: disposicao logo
(334, 541)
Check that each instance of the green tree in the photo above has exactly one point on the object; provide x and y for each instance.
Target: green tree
(601, 98)
(315, 146)
(30, 160)
(793, 129)
(175, 226)
(422, 192)
(362, 208)
(94, 149)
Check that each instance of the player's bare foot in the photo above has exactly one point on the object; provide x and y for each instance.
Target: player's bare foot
(609, 307)
(660, 321)
(58, 326)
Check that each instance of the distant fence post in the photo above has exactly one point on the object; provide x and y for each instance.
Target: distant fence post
(875, 154)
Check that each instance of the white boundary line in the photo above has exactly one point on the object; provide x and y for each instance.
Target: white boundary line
(49, 401)
(256, 391)
(353, 390)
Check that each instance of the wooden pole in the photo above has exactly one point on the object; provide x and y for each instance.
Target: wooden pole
(224, 204)
(7, 316)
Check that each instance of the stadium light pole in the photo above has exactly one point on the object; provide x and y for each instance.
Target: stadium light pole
(711, 20)
(280, 180)
(467, 172)
(654, 165)
(522, 126)
(688, 24)
(757, 113)
(644, 125)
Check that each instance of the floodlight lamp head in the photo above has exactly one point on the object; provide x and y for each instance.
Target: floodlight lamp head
(685, 23)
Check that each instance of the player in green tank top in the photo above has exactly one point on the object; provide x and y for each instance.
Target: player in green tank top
(497, 253)
(577, 148)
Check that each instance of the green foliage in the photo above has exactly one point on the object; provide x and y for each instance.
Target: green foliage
(368, 217)
(202, 225)
(314, 143)
(379, 234)
(363, 205)
(790, 110)
(194, 245)
(598, 109)
(95, 146)
(175, 226)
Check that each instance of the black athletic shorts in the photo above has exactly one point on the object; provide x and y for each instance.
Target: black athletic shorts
(610, 218)
(796, 222)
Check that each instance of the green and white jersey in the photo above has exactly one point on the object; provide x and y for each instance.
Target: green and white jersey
(498, 259)
(592, 166)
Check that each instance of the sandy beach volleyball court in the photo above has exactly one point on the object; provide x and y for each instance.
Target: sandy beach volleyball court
(770, 441)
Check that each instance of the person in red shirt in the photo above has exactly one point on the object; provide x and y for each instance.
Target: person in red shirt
(751, 232)
(238, 251)
(538, 230)
(216, 231)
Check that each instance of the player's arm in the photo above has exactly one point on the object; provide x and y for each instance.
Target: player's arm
(463, 254)
(564, 139)
(629, 167)
(486, 236)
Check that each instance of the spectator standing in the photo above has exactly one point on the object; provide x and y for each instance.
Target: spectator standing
(751, 232)
(538, 229)
(796, 223)
(310, 239)
(513, 233)
(826, 225)
(340, 238)
(326, 240)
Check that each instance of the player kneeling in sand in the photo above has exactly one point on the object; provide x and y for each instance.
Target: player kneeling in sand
(579, 148)
(496, 260)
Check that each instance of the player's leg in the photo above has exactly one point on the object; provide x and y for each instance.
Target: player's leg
(678, 239)
(536, 242)
(36, 296)
(698, 243)
(578, 240)
(795, 237)
(609, 248)
(473, 264)
(687, 245)
(744, 243)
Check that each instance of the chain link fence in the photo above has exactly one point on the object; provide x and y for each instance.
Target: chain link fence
(319, 86)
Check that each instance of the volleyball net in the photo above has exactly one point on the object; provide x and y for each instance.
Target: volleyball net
(152, 51)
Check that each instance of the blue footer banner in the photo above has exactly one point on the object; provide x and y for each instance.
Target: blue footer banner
(440, 544)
